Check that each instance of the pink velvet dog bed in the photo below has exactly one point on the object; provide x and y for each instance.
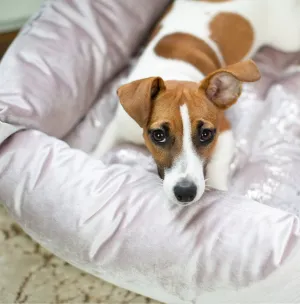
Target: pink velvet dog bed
(107, 217)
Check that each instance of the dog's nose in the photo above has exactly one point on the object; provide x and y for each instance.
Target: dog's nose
(185, 191)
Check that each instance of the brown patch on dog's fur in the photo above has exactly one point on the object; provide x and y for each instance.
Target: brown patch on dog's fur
(224, 123)
(166, 110)
(188, 48)
(233, 34)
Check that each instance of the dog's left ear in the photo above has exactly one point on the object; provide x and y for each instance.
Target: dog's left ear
(137, 97)
(223, 87)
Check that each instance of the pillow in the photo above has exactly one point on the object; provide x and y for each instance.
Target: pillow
(65, 55)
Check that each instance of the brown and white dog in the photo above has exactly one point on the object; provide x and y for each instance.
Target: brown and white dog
(190, 72)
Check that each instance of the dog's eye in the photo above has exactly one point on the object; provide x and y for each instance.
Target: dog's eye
(206, 135)
(159, 136)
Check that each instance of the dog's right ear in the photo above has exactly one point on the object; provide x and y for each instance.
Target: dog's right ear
(136, 98)
(223, 87)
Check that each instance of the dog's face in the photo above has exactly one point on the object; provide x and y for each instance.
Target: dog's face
(181, 122)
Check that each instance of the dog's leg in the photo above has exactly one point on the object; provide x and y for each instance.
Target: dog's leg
(217, 169)
(122, 129)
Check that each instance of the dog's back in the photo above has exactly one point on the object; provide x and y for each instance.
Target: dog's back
(196, 37)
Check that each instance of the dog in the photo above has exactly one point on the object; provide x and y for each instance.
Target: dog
(191, 71)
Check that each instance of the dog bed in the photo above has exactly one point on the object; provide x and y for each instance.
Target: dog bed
(108, 217)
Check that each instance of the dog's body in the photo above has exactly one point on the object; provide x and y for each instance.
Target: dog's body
(195, 39)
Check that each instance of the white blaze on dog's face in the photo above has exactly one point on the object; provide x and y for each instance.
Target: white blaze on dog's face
(184, 179)
(181, 123)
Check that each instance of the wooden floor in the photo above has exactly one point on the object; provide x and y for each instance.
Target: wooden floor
(5, 40)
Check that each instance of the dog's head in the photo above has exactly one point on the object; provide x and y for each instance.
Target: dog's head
(181, 123)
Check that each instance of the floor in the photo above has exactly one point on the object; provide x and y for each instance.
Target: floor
(5, 40)
(30, 274)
